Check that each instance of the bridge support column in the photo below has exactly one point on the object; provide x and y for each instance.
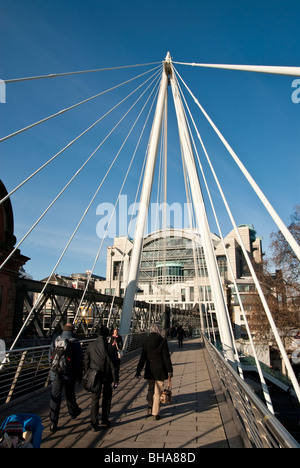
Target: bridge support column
(200, 212)
(144, 206)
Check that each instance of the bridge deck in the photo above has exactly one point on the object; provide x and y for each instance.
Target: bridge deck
(197, 418)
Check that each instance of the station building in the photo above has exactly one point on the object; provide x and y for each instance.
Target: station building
(168, 273)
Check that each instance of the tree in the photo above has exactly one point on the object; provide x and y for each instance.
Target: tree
(286, 259)
(281, 289)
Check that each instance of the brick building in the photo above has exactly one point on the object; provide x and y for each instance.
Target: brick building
(9, 274)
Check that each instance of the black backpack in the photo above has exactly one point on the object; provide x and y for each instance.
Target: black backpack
(61, 360)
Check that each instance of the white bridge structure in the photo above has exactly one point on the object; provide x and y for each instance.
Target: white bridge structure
(160, 80)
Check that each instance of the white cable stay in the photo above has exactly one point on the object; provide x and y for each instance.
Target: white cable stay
(203, 226)
(282, 227)
(133, 211)
(78, 226)
(158, 199)
(55, 75)
(198, 264)
(219, 275)
(275, 70)
(192, 224)
(113, 212)
(62, 111)
(160, 221)
(258, 365)
(71, 143)
(134, 204)
(256, 281)
(78, 172)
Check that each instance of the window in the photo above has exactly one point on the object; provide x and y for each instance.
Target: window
(169, 273)
(170, 260)
(222, 264)
(205, 293)
(183, 295)
(118, 271)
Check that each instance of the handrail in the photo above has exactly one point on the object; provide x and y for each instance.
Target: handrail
(25, 370)
(262, 428)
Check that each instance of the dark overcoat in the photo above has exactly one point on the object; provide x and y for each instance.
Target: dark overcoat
(156, 358)
(97, 357)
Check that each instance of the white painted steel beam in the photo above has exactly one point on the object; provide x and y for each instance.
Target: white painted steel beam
(144, 206)
(200, 212)
(289, 71)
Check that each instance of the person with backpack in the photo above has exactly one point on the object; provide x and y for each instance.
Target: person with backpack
(66, 359)
(103, 365)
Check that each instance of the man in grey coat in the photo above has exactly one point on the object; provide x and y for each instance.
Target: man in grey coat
(158, 368)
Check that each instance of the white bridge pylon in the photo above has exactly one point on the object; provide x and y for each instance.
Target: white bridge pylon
(168, 75)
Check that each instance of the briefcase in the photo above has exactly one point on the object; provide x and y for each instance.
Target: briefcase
(89, 379)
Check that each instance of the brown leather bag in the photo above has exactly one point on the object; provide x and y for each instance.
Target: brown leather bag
(166, 396)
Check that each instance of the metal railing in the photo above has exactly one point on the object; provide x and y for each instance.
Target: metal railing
(26, 370)
(262, 428)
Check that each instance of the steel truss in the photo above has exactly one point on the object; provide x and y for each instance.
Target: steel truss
(59, 305)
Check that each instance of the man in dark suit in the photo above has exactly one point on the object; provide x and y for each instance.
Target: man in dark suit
(97, 357)
(158, 368)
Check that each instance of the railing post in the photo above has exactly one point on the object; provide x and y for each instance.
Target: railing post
(16, 377)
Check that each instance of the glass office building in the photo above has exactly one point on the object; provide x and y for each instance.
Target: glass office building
(173, 268)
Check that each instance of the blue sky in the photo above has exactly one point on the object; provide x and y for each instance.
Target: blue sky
(255, 112)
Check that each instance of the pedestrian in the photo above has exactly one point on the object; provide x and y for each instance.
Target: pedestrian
(116, 346)
(180, 335)
(98, 358)
(158, 368)
(66, 358)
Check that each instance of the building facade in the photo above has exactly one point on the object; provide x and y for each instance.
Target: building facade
(173, 270)
(9, 274)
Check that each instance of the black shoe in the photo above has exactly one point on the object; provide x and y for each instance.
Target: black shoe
(53, 428)
(156, 418)
(106, 422)
(94, 427)
(78, 412)
(149, 411)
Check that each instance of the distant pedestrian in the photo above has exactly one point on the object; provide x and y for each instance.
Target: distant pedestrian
(158, 368)
(98, 358)
(66, 360)
(180, 335)
(116, 346)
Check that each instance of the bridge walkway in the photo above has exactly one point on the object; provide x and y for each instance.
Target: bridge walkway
(197, 418)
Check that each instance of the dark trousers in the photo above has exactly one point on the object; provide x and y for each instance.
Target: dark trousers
(104, 387)
(56, 396)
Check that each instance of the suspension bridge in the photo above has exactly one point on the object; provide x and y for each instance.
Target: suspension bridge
(255, 418)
